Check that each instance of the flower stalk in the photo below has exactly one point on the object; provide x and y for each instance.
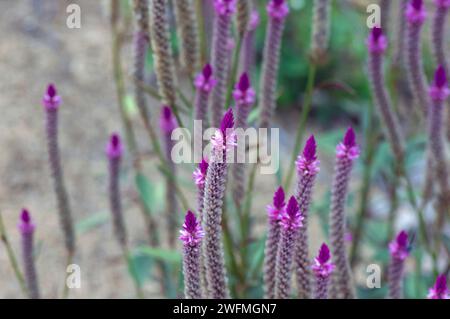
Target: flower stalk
(322, 268)
(320, 31)
(399, 251)
(439, 290)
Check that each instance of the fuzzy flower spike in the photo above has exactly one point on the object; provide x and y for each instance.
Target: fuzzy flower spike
(220, 55)
(322, 268)
(244, 96)
(274, 212)
(438, 32)
(167, 124)
(215, 184)
(191, 237)
(377, 45)
(291, 222)
(439, 92)
(26, 227)
(248, 45)
(346, 153)
(204, 83)
(320, 31)
(114, 152)
(307, 169)
(277, 10)
(439, 290)
(415, 16)
(51, 102)
(399, 250)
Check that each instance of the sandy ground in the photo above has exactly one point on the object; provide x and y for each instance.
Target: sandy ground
(35, 49)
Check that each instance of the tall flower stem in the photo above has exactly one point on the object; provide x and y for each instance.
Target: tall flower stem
(399, 250)
(12, 256)
(322, 268)
(26, 227)
(346, 154)
(309, 92)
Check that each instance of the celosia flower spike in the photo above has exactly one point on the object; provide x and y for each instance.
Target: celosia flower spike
(439, 290)
(322, 268)
(191, 236)
(291, 221)
(26, 227)
(307, 169)
(399, 249)
(320, 31)
(248, 46)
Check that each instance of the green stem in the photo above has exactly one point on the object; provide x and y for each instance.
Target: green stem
(302, 125)
(12, 257)
(132, 269)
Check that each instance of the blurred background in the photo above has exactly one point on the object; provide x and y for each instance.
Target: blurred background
(36, 48)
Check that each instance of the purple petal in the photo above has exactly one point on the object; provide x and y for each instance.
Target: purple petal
(51, 90)
(278, 198)
(324, 254)
(190, 222)
(25, 216)
(441, 283)
(203, 166)
(440, 77)
(292, 207)
(417, 4)
(227, 121)
(207, 71)
(402, 239)
(350, 138)
(244, 82)
(377, 32)
(309, 152)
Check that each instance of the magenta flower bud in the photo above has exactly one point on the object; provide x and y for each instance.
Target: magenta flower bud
(200, 173)
(439, 91)
(346, 152)
(416, 12)
(322, 268)
(377, 41)
(26, 227)
(243, 93)
(205, 80)
(167, 121)
(225, 137)
(225, 7)
(307, 169)
(114, 149)
(399, 250)
(274, 212)
(51, 103)
(291, 221)
(191, 236)
(439, 290)
(51, 100)
(277, 9)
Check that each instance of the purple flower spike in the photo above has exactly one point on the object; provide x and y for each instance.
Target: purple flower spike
(278, 208)
(192, 232)
(244, 94)
(225, 7)
(439, 290)
(377, 41)
(399, 250)
(51, 100)
(205, 80)
(348, 148)
(274, 211)
(443, 4)
(167, 121)
(200, 173)
(114, 149)
(225, 137)
(322, 268)
(307, 163)
(291, 222)
(416, 12)
(292, 218)
(191, 236)
(277, 9)
(439, 91)
(26, 228)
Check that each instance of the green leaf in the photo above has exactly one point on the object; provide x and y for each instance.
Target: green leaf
(91, 222)
(139, 267)
(130, 106)
(165, 255)
(145, 190)
(257, 256)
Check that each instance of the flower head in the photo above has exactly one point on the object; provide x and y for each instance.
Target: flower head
(243, 93)
(439, 290)
(277, 9)
(439, 90)
(192, 232)
(200, 173)
(377, 41)
(307, 162)
(292, 219)
(278, 207)
(399, 247)
(444, 4)
(225, 7)
(26, 225)
(323, 267)
(416, 12)
(167, 120)
(225, 137)
(205, 80)
(348, 148)
(51, 99)
(254, 20)
(114, 149)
